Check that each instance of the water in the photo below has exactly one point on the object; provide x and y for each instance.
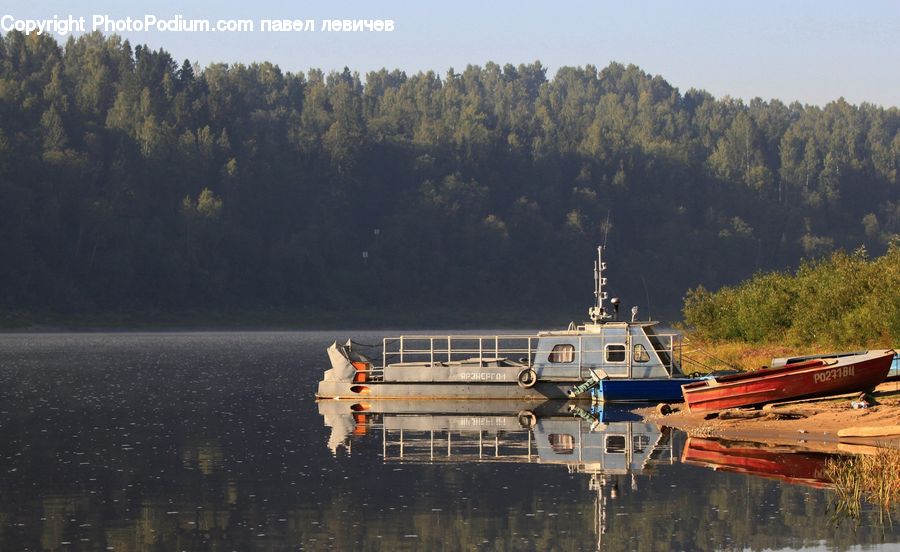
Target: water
(212, 441)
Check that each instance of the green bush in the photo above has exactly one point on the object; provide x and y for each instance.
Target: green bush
(841, 300)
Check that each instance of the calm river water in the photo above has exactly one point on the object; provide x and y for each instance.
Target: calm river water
(213, 441)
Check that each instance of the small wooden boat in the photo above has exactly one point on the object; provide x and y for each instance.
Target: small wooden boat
(816, 377)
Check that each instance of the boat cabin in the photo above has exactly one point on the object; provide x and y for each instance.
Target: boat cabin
(609, 349)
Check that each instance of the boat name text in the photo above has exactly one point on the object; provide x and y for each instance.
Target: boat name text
(834, 373)
(482, 376)
(482, 421)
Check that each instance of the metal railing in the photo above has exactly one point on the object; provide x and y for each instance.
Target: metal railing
(450, 348)
(437, 349)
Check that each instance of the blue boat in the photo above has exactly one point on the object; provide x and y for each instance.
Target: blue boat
(607, 358)
(640, 390)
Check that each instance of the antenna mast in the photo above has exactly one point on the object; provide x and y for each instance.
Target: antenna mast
(598, 313)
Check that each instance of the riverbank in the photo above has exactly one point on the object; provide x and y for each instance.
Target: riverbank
(814, 424)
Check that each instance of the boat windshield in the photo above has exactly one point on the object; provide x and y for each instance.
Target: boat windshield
(661, 350)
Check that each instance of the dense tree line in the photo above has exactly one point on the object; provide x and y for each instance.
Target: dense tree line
(131, 182)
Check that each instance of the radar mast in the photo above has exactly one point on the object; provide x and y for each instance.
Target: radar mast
(598, 313)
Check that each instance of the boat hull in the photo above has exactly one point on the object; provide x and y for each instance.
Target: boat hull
(610, 390)
(642, 390)
(807, 379)
(442, 391)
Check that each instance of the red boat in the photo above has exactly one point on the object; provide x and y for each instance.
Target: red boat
(818, 377)
(781, 463)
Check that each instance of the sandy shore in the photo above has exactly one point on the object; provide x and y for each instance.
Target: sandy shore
(810, 424)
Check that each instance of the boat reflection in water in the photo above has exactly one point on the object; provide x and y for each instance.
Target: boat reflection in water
(616, 450)
(599, 443)
(783, 463)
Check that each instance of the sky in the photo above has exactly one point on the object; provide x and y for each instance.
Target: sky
(812, 51)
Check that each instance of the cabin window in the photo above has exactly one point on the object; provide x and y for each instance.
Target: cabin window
(564, 352)
(640, 354)
(615, 444)
(562, 443)
(640, 443)
(615, 353)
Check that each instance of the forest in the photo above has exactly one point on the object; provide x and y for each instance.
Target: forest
(132, 183)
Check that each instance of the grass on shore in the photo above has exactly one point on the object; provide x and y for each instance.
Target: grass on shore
(872, 478)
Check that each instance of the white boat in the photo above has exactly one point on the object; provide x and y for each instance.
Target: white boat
(613, 360)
